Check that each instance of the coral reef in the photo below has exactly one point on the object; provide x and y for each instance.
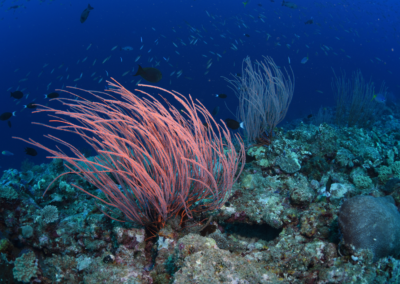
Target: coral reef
(285, 221)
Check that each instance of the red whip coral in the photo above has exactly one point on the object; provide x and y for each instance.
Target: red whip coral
(153, 162)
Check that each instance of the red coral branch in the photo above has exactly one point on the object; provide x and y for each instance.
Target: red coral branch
(153, 162)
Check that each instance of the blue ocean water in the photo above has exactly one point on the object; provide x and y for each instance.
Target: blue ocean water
(46, 47)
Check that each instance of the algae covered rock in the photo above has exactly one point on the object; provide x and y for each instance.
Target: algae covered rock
(26, 267)
(288, 163)
(220, 266)
(340, 190)
(371, 223)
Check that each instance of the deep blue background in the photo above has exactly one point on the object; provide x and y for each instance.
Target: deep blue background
(44, 32)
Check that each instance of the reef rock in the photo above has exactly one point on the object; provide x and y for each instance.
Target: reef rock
(371, 223)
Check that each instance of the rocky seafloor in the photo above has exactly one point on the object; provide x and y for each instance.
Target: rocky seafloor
(315, 204)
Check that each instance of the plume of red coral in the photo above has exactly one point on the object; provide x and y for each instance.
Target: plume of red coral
(153, 161)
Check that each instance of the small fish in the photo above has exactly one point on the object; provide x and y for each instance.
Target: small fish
(106, 72)
(81, 75)
(121, 59)
(246, 35)
(288, 59)
(7, 115)
(13, 7)
(141, 40)
(319, 91)
(304, 60)
(309, 22)
(289, 4)
(114, 47)
(85, 13)
(30, 151)
(127, 48)
(7, 153)
(52, 95)
(215, 111)
(88, 46)
(17, 95)
(380, 98)
(221, 96)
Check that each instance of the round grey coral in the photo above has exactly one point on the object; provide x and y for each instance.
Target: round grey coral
(49, 213)
(25, 267)
(288, 164)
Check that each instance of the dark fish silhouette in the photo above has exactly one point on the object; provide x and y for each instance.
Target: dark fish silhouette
(221, 96)
(30, 151)
(309, 22)
(249, 158)
(150, 74)
(85, 13)
(31, 105)
(246, 35)
(7, 115)
(17, 95)
(232, 124)
(52, 95)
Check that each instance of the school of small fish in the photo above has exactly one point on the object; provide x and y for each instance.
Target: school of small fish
(148, 51)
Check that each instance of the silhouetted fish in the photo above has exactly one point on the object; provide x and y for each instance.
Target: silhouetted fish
(30, 151)
(30, 105)
(150, 74)
(7, 115)
(85, 13)
(52, 95)
(17, 95)
(232, 124)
